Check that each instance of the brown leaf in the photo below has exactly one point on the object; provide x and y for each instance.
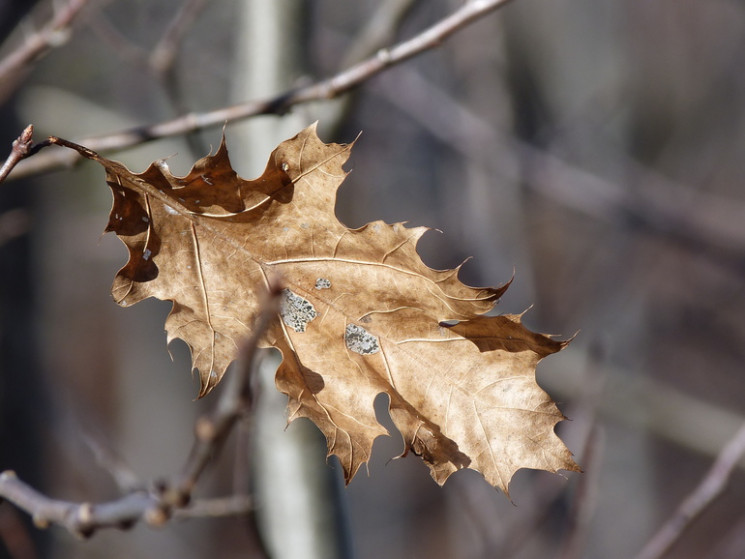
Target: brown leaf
(361, 313)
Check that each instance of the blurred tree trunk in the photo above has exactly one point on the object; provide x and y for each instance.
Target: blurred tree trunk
(297, 492)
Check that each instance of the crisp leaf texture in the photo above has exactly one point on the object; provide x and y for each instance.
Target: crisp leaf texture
(360, 315)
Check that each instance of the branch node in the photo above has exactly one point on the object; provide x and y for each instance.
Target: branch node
(156, 516)
(40, 521)
(58, 37)
(384, 55)
(84, 523)
(174, 497)
(22, 144)
(85, 514)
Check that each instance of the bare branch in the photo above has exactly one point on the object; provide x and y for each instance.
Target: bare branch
(708, 490)
(51, 35)
(79, 518)
(157, 505)
(279, 104)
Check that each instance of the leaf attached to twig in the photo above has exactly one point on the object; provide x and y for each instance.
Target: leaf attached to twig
(360, 314)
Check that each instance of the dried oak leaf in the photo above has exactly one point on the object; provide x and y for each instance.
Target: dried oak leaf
(361, 313)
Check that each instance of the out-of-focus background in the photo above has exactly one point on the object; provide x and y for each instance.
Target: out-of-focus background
(594, 148)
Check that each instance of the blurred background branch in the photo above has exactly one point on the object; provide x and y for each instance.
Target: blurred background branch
(16, 65)
(710, 487)
(278, 104)
(157, 504)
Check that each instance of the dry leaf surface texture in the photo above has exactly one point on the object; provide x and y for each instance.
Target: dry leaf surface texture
(360, 313)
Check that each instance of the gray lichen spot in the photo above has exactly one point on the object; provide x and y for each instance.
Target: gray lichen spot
(323, 283)
(285, 167)
(360, 340)
(296, 311)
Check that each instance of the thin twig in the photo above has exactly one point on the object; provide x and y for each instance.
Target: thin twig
(379, 30)
(107, 458)
(162, 63)
(234, 505)
(584, 502)
(164, 53)
(585, 495)
(709, 489)
(126, 51)
(158, 59)
(278, 104)
(156, 506)
(51, 35)
(211, 431)
(20, 149)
